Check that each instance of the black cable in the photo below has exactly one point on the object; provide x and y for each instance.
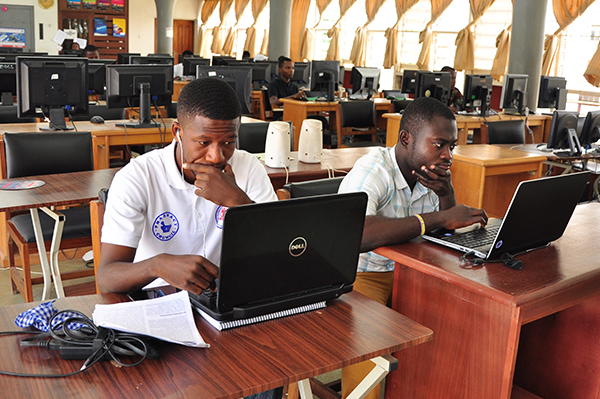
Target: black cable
(506, 258)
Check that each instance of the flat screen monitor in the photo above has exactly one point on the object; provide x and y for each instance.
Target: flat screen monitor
(301, 74)
(190, 63)
(238, 77)
(141, 86)
(261, 74)
(150, 60)
(553, 92)
(514, 93)
(478, 93)
(47, 86)
(325, 78)
(223, 60)
(434, 84)
(97, 75)
(563, 132)
(409, 82)
(11, 57)
(8, 82)
(123, 58)
(365, 82)
(590, 132)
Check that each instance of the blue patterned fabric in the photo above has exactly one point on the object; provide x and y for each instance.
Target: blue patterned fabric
(40, 317)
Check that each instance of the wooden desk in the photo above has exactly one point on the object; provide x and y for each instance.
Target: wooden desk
(486, 176)
(296, 112)
(480, 315)
(177, 86)
(338, 159)
(464, 123)
(78, 188)
(240, 362)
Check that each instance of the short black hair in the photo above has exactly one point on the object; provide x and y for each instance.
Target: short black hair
(448, 69)
(90, 48)
(283, 59)
(187, 52)
(421, 112)
(212, 98)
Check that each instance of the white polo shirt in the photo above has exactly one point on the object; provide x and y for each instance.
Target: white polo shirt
(151, 208)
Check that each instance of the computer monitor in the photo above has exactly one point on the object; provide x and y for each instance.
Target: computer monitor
(238, 77)
(301, 73)
(190, 63)
(514, 92)
(223, 60)
(365, 81)
(590, 133)
(261, 74)
(409, 82)
(97, 75)
(47, 86)
(324, 78)
(478, 93)
(139, 86)
(123, 58)
(553, 92)
(8, 82)
(563, 132)
(434, 84)
(150, 60)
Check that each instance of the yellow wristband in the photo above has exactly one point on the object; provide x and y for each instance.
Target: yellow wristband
(422, 223)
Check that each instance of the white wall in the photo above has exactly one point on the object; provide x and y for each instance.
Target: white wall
(47, 17)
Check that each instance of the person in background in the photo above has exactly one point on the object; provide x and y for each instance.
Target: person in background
(455, 102)
(410, 193)
(283, 87)
(91, 52)
(178, 68)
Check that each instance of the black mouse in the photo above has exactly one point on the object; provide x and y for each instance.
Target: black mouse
(97, 119)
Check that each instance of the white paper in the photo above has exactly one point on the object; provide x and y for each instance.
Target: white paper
(169, 318)
(82, 42)
(59, 37)
(70, 33)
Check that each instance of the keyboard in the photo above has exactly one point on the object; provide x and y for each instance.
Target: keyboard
(474, 238)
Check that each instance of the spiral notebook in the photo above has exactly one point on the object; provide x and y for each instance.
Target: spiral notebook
(284, 257)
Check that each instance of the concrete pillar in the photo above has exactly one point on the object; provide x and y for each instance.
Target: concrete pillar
(164, 26)
(527, 44)
(279, 29)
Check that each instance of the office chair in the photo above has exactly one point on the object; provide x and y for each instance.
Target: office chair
(8, 114)
(30, 154)
(309, 188)
(356, 118)
(503, 132)
(109, 114)
(399, 105)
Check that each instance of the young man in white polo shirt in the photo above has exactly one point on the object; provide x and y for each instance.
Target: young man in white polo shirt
(410, 192)
(164, 216)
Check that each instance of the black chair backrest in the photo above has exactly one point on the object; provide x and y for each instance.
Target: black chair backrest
(358, 113)
(172, 110)
(266, 100)
(8, 114)
(109, 114)
(30, 154)
(506, 132)
(314, 187)
(399, 105)
(252, 137)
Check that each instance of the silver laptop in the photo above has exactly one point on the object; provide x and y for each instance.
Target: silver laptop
(537, 215)
(286, 254)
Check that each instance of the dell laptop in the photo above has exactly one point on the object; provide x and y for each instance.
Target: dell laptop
(537, 215)
(286, 254)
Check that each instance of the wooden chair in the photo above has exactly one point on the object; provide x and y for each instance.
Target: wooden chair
(356, 118)
(503, 132)
(29, 154)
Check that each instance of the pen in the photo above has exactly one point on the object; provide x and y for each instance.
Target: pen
(160, 293)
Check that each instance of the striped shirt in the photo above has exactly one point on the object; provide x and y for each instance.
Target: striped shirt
(378, 174)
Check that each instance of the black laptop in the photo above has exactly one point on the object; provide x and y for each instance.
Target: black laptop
(538, 214)
(286, 254)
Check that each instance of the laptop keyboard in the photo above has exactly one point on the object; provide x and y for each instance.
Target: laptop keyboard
(474, 238)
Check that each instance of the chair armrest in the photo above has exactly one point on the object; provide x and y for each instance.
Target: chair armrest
(97, 220)
(283, 194)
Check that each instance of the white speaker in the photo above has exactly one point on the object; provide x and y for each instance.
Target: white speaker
(311, 141)
(277, 147)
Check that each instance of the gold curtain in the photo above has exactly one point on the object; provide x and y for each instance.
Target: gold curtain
(217, 44)
(308, 41)
(208, 8)
(501, 58)
(299, 16)
(358, 55)
(464, 58)
(250, 45)
(264, 47)
(240, 7)
(592, 73)
(426, 35)
(333, 52)
(391, 34)
(565, 11)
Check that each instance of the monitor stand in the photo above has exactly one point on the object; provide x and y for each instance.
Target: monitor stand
(57, 121)
(145, 107)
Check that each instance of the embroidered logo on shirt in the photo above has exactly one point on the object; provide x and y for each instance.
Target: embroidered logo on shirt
(219, 216)
(165, 226)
